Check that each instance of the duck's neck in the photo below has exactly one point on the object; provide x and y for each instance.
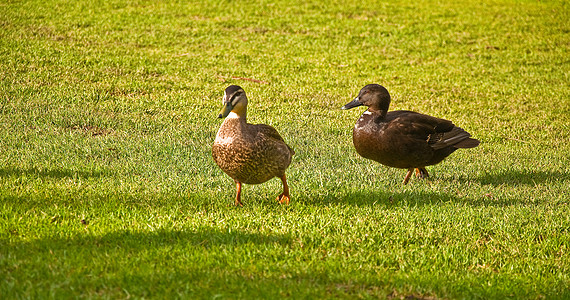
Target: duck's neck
(239, 112)
(239, 117)
(379, 113)
(235, 120)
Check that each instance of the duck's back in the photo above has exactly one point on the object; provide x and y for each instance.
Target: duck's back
(250, 153)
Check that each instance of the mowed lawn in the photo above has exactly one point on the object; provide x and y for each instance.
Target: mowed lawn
(108, 110)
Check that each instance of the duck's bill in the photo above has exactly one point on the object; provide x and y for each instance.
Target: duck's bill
(225, 110)
(352, 104)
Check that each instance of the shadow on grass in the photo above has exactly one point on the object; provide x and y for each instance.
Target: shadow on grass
(205, 237)
(118, 264)
(204, 262)
(50, 173)
(526, 177)
(407, 198)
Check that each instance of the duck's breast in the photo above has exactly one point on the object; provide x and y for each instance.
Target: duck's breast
(249, 156)
(368, 137)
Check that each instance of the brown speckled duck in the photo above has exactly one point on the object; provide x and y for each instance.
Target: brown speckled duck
(403, 139)
(248, 153)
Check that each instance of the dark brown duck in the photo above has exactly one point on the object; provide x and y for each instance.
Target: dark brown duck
(403, 139)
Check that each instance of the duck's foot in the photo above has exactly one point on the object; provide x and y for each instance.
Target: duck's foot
(408, 175)
(283, 199)
(422, 173)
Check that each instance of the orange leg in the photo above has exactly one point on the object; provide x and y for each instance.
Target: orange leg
(422, 173)
(408, 175)
(238, 194)
(284, 197)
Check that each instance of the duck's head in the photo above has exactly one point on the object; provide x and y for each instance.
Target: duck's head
(375, 96)
(234, 101)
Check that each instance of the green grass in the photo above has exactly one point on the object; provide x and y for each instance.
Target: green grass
(108, 112)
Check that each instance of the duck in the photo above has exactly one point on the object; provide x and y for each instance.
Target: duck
(403, 139)
(249, 153)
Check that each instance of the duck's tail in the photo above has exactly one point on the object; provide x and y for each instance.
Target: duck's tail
(291, 150)
(467, 143)
(457, 138)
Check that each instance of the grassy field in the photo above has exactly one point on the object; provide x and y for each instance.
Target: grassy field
(108, 112)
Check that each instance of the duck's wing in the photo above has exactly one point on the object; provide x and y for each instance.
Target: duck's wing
(438, 133)
(417, 125)
(268, 132)
(271, 134)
